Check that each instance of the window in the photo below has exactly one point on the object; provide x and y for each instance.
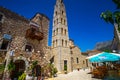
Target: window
(1, 17)
(61, 20)
(28, 48)
(62, 42)
(62, 12)
(6, 39)
(65, 32)
(71, 52)
(57, 21)
(4, 44)
(77, 60)
(83, 62)
(54, 33)
(56, 13)
(56, 42)
(64, 22)
(62, 31)
(65, 65)
(61, 1)
(57, 31)
(66, 43)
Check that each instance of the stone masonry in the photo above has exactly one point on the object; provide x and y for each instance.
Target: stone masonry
(26, 40)
(67, 56)
(23, 48)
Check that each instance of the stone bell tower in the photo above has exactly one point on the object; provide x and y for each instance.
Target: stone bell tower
(60, 38)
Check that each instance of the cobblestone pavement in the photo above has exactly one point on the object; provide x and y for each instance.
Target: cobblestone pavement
(75, 75)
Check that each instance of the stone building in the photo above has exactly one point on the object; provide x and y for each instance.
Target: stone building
(66, 54)
(90, 53)
(78, 59)
(24, 41)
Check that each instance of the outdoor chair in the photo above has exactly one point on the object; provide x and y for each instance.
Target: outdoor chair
(97, 74)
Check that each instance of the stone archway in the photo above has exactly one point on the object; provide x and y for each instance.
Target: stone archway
(19, 68)
(21, 65)
(24, 59)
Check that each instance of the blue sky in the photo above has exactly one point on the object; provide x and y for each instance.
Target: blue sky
(86, 27)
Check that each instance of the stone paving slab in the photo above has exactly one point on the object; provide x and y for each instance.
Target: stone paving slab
(75, 75)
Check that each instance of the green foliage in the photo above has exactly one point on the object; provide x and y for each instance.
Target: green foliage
(2, 67)
(11, 66)
(112, 17)
(117, 2)
(54, 71)
(65, 67)
(116, 15)
(22, 77)
(35, 63)
(107, 16)
(32, 67)
(109, 51)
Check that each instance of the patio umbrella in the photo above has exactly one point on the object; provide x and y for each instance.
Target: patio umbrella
(104, 57)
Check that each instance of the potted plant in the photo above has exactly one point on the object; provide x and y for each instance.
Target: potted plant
(11, 66)
(54, 72)
(22, 77)
(2, 67)
(65, 69)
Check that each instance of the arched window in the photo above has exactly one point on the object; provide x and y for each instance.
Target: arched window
(57, 31)
(64, 22)
(62, 12)
(5, 41)
(56, 13)
(28, 48)
(62, 42)
(62, 31)
(61, 1)
(66, 43)
(56, 42)
(4, 44)
(54, 33)
(65, 32)
(83, 62)
(57, 21)
(61, 20)
(77, 60)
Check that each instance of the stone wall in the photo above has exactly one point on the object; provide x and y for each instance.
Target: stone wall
(16, 26)
(76, 54)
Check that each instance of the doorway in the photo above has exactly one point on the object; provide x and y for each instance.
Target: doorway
(65, 65)
(19, 69)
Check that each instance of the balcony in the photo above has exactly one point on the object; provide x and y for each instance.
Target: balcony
(33, 33)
